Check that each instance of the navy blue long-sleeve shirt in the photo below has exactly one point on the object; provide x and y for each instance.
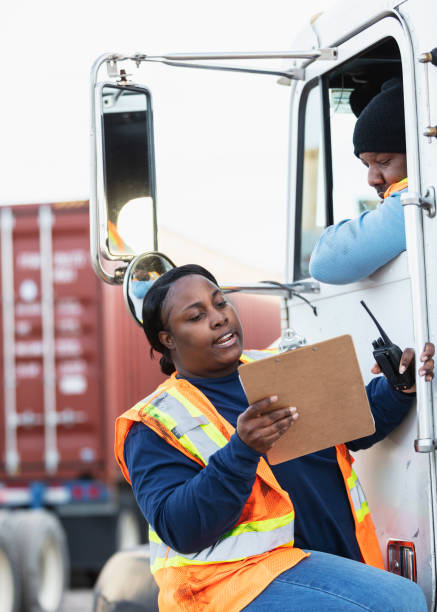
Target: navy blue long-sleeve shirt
(190, 507)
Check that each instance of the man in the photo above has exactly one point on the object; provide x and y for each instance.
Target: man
(354, 248)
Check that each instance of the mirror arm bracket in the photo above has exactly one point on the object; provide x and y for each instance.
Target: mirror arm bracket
(293, 73)
(180, 60)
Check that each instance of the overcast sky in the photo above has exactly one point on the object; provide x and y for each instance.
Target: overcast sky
(221, 139)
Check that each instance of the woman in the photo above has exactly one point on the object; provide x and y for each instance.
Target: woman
(221, 519)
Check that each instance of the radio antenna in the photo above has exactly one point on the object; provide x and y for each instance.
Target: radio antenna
(381, 331)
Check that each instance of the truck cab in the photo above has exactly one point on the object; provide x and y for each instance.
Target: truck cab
(327, 186)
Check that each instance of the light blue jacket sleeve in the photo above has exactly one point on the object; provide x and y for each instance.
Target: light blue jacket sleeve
(354, 248)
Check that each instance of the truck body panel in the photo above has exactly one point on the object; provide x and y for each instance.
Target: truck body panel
(399, 482)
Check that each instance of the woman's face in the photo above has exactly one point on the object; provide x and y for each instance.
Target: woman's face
(202, 329)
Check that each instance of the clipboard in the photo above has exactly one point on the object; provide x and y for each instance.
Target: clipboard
(324, 382)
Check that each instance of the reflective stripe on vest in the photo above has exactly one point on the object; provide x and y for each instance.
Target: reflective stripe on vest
(201, 438)
(237, 544)
(193, 430)
(361, 507)
(364, 528)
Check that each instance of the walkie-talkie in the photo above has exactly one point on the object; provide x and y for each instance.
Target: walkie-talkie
(388, 356)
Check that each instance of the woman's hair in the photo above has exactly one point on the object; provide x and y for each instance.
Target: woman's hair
(152, 308)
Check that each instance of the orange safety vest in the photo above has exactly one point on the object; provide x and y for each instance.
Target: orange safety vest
(403, 184)
(235, 570)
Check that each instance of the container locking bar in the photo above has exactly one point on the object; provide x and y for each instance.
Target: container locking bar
(8, 315)
(51, 454)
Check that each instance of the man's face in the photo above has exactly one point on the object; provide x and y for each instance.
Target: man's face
(384, 169)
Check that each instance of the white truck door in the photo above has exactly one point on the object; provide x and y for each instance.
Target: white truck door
(329, 184)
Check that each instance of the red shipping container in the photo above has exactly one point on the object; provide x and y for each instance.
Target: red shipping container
(72, 357)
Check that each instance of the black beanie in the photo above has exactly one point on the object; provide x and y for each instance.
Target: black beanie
(380, 128)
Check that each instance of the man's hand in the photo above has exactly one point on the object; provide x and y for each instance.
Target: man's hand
(259, 429)
(426, 370)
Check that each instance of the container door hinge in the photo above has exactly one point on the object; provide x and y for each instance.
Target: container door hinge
(401, 559)
(426, 201)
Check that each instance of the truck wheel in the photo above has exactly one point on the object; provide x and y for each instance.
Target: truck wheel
(43, 558)
(126, 584)
(9, 568)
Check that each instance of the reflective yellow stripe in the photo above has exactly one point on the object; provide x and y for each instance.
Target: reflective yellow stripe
(192, 448)
(170, 423)
(211, 430)
(354, 483)
(254, 526)
(215, 435)
(362, 512)
(183, 400)
(351, 481)
(180, 561)
(154, 537)
(235, 545)
(266, 525)
(160, 416)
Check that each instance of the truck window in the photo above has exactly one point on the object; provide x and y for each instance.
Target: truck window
(312, 219)
(351, 194)
(331, 182)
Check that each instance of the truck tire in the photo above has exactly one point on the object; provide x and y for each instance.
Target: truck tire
(9, 568)
(126, 584)
(43, 559)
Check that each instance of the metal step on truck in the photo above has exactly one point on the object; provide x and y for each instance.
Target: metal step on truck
(349, 45)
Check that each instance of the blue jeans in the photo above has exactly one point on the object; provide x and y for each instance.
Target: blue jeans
(333, 584)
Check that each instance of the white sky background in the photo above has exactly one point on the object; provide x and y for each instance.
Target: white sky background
(220, 138)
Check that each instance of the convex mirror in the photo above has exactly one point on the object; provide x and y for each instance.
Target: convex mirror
(126, 170)
(139, 277)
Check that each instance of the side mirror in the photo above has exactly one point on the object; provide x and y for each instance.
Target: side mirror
(123, 199)
(140, 275)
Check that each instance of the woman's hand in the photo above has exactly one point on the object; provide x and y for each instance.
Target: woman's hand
(259, 429)
(426, 370)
